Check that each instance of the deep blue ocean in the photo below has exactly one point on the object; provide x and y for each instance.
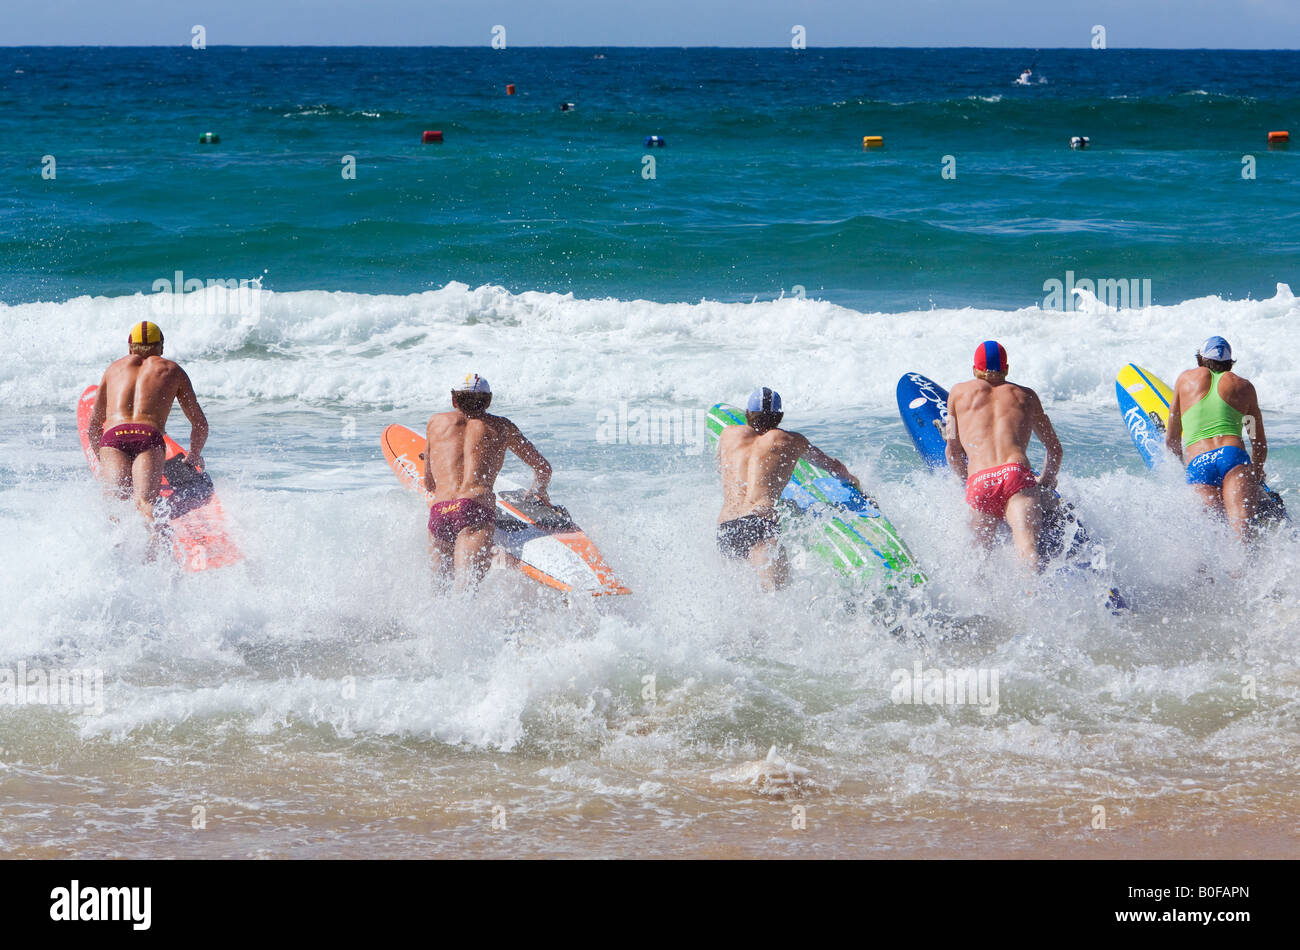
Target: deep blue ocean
(763, 184)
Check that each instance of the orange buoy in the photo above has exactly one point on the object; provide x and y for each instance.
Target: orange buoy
(510, 89)
(431, 137)
(1279, 138)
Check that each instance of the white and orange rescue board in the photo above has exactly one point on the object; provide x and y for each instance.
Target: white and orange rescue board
(541, 541)
(198, 525)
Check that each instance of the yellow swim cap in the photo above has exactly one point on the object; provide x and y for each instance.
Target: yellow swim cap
(145, 333)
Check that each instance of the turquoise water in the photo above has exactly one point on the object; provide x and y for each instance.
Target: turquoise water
(763, 184)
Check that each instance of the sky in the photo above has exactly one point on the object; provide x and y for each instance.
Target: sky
(1168, 24)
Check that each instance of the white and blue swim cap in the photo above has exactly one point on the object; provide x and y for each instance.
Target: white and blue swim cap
(764, 400)
(1216, 348)
(471, 383)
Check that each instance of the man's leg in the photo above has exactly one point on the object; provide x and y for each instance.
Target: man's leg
(473, 555)
(115, 472)
(442, 550)
(769, 560)
(146, 478)
(1241, 500)
(1025, 518)
(984, 527)
(443, 554)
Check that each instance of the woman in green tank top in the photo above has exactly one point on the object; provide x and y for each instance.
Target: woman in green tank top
(1211, 416)
(1225, 477)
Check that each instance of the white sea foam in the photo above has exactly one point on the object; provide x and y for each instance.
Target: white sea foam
(329, 629)
(343, 349)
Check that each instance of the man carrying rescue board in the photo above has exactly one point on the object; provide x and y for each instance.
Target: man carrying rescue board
(756, 461)
(990, 423)
(134, 399)
(465, 452)
(1205, 419)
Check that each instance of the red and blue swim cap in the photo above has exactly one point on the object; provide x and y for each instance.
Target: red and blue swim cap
(991, 357)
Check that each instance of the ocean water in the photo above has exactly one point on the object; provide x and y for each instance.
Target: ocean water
(318, 699)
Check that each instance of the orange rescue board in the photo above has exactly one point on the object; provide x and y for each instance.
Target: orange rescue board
(542, 542)
(198, 525)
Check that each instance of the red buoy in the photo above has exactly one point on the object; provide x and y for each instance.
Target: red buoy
(510, 89)
(431, 138)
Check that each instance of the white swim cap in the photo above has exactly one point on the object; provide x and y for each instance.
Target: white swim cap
(1216, 348)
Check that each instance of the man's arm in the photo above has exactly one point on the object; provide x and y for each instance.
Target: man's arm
(1174, 428)
(828, 462)
(534, 459)
(198, 421)
(430, 484)
(1042, 427)
(97, 415)
(952, 449)
(717, 454)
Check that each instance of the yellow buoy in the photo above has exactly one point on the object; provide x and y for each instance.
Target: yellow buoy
(873, 141)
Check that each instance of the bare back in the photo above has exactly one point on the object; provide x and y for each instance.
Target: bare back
(992, 424)
(465, 454)
(142, 389)
(755, 468)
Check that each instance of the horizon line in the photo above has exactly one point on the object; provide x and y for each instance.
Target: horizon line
(1084, 48)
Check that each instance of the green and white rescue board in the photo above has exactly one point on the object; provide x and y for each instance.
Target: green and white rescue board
(833, 519)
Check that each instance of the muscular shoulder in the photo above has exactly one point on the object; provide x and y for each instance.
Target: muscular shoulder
(1237, 387)
(787, 442)
(171, 371)
(440, 421)
(960, 396)
(1026, 394)
(162, 370)
(124, 364)
(486, 425)
(500, 425)
(732, 435)
(967, 389)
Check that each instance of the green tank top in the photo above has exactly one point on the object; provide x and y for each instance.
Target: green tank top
(1210, 416)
